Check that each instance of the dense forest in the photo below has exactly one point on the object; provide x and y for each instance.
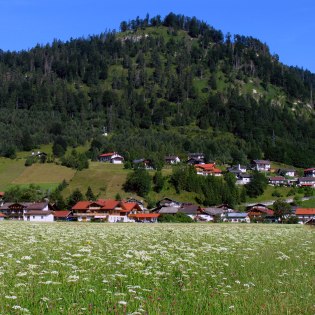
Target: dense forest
(160, 86)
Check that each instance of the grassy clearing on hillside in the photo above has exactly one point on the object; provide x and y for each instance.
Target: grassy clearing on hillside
(156, 269)
(44, 173)
(104, 178)
(9, 170)
(267, 195)
(308, 203)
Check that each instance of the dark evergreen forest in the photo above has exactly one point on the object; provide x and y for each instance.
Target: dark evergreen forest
(159, 86)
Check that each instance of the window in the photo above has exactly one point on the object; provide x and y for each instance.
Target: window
(33, 216)
(42, 217)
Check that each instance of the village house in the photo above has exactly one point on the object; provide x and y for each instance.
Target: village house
(212, 214)
(167, 202)
(171, 159)
(287, 172)
(28, 211)
(2, 216)
(143, 163)
(261, 165)
(108, 210)
(237, 169)
(196, 158)
(305, 214)
(243, 179)
(207, 169)
(113, 158)
(260, 212)
(306, 181)
(236, 217)
(277, 180)
(309, 172)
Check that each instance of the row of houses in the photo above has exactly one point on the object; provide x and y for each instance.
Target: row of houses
(284, 177)
(132, 210)
(225, 213)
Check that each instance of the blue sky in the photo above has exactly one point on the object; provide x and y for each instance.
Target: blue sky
(287, 26)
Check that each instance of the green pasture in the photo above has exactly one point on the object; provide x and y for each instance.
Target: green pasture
(92, 268)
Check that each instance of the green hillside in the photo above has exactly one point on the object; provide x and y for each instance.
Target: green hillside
(162, 86)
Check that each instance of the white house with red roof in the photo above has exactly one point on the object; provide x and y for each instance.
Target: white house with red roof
(112, 157)
(207, 169)
(108, 210)
(305, 214)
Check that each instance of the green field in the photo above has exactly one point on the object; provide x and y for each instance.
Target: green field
(105, 179)
(73, 268)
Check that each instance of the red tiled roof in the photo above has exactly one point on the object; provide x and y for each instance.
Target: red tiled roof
(144, 215)
(301, 211)
(106, 154)
(129, 205)
(61, 213)
(1, 193)
(2, 215)
(81, 205)
(217, 170)
(110, 204)
(209, 166)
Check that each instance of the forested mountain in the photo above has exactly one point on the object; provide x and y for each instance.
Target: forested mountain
(160, 86)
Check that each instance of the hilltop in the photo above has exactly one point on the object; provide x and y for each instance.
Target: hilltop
(159, 87)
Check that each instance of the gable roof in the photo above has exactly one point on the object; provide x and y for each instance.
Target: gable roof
(168, 210)
(110, 204)
(261, 162)
(107, 154)
(61, 213)
(188, 209)
(81, 205)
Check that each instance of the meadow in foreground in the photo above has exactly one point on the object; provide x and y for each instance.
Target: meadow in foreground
(73, 268)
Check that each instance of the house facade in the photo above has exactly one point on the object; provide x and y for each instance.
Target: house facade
(277, 180)
(109, 210)
(207, 169)
(28, 211)
(112, 157)
(309, 172)
(171, 159)
(287, 172)
(261, 165)
(243, 179)
(306, 181)
(305, 214)
(236, 217)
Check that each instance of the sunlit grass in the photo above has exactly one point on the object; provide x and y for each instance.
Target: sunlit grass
(72, 268)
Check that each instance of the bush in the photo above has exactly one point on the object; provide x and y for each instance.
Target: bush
(29, 161)
(176, 218)
(292, 220)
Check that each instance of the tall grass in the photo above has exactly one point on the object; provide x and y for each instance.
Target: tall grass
(65, 268)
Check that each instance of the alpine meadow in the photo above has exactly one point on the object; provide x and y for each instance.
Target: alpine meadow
(165, 168)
